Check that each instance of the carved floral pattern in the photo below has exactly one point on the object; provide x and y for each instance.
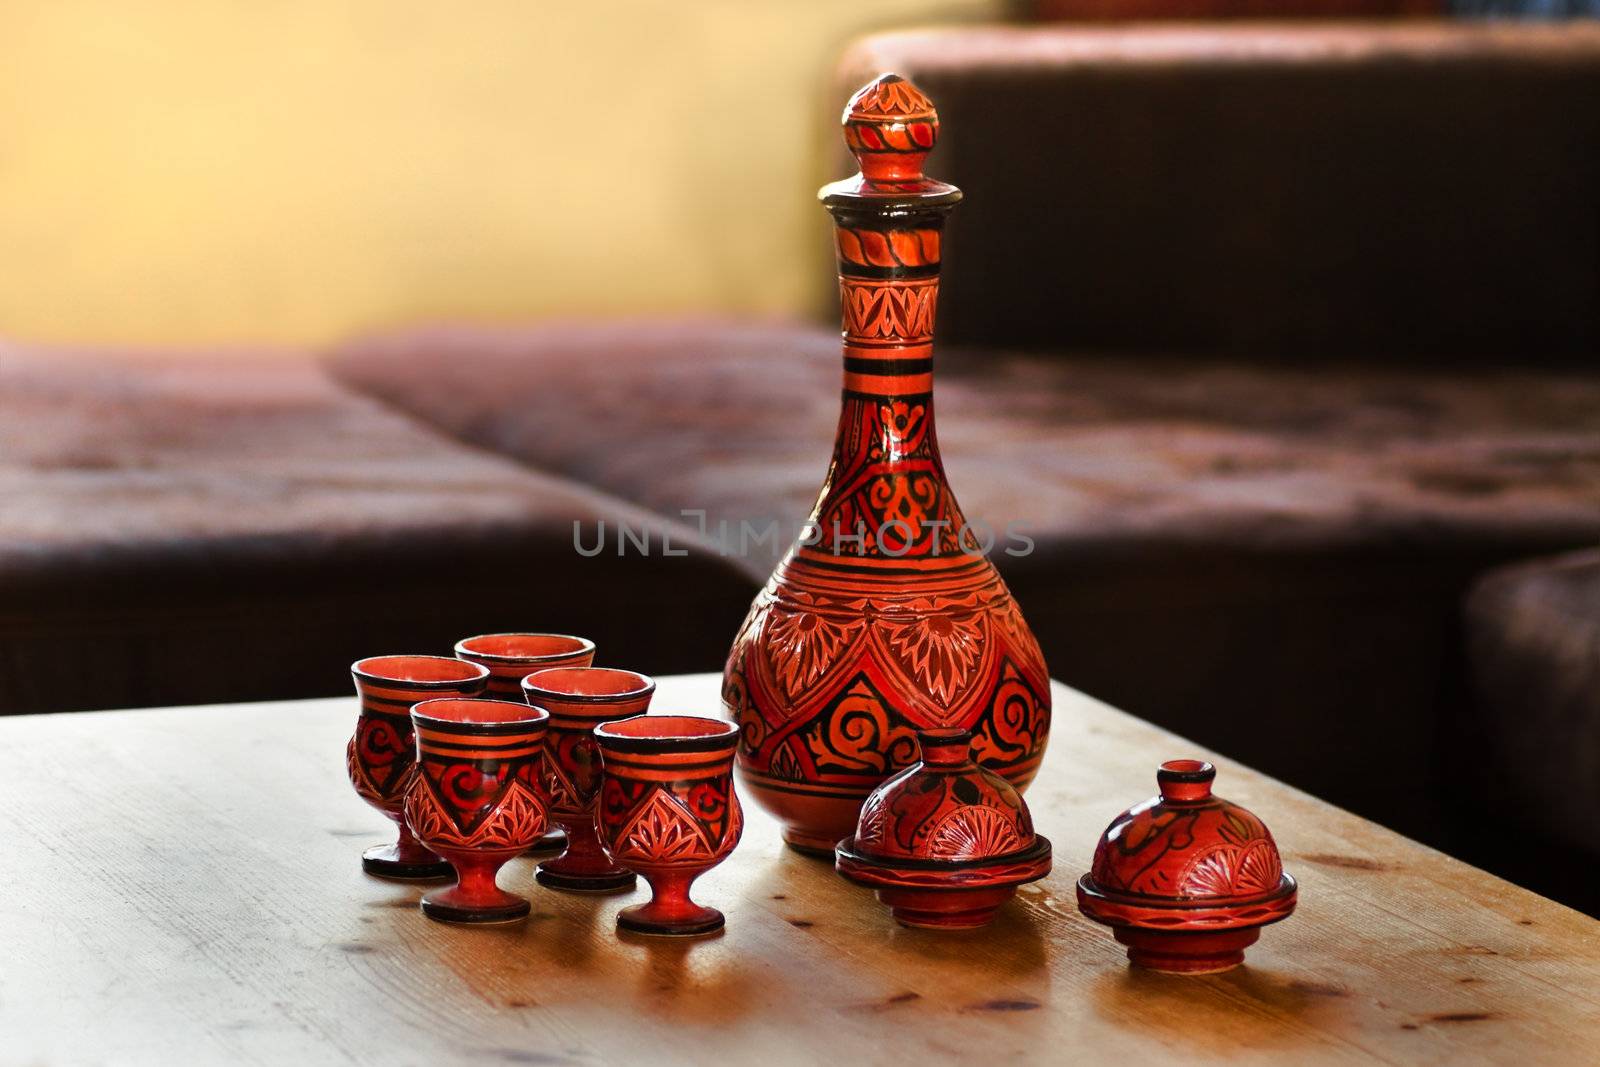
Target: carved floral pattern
(801, 645)
(1230, 870)
(892, 97)
(513, 821)
(661, 831)
(874, 311)
(940, 651)
(975, 832)
(698, 827)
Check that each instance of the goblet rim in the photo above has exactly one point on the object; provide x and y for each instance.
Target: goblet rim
(581, 645)
(532, 690)
(364, 670)
(665, 733)
(525, 715)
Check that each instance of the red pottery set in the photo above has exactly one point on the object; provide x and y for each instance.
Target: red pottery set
(579, 699)
(381, 757)
(475, 781)
(668, 811)
(477, 799)
(888, 702)
(944, 842)
(1186, 880)
(891, 618)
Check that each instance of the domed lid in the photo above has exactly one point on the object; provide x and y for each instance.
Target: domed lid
(1187, 848)
(945, 813)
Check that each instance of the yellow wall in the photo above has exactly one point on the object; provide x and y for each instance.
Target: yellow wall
(182, 172)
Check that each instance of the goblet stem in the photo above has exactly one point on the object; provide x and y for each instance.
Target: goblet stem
(407, 849)
(476, 878)
(583, 850)
(669, 896)
(669, 911)
(476, 897)
(407, 859)
(584, 865)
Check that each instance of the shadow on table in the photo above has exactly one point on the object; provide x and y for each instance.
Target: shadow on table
(1219, 1010)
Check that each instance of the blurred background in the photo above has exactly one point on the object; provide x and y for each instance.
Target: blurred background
(324, 324)
(187, 173)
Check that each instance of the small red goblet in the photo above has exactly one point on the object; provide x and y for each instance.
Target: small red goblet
(511, 658)
(579, 699)
(668, 811)
(381, 757)
(477, 799)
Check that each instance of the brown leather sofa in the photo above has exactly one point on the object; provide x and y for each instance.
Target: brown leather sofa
(1530, 770)
(1274, 337)
(182, 531)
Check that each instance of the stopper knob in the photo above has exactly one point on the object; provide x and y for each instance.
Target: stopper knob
(1185, 780)
(890, 127)
(946, 747)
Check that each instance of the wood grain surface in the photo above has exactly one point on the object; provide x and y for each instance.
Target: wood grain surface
(183, 886)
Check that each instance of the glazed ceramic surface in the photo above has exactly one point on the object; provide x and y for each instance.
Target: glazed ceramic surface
(944, 842)
(668, 811)
(1187, 879)
(381, 756)
(477, 799)
(579, 699)
(512, 657)
(890, 617)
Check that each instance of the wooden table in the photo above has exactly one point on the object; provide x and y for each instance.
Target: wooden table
(183, 886)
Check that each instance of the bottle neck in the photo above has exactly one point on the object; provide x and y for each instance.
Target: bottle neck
(886, 503)
(888, 293)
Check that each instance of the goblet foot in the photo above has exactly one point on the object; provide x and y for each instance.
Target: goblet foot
(553, 842)
(613, 882)
(1178, 952)
(584, 867)
(684, 920)
(456, 905)
(945, 909)
(415, 864)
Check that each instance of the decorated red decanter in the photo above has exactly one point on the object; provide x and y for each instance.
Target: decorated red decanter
(944, 842)
(888, 616)
(1186, 880)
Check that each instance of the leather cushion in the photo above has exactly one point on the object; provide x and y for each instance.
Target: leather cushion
(183, 530)
(1534, 634)
(1399, 189)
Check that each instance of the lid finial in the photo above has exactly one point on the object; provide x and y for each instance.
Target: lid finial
(1185, 780)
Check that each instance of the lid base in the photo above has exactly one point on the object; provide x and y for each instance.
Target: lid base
(1179, 952)
(881, 872)
(945, 909)
(1203, 915)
